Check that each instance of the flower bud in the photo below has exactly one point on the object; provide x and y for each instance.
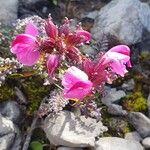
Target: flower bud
(52, 63)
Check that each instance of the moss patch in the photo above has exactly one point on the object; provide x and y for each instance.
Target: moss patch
(134, 102)
(35, 92)
(6, 93)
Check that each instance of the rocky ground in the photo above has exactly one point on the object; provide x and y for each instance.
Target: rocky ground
(125, 108)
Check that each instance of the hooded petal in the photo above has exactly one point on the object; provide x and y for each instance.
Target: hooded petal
(123, 49)
(117, 57)
(83, 35)
(78, 37)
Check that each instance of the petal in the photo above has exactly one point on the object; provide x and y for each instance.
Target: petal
(78, 90)
(51, 28)
(22, 42)
(17, 48)
(74, 54)
(78, 37)
(83, 35)
(31, 29)
(117, 56)
(22, 39)
(76, 83)
(28, 57)
(73, 75)
(114, 56)
(119, 68)
(123, 49)
(65, 28)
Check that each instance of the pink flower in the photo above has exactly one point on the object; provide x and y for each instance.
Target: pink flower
(52, 63)
(107, 65)
(118, 57)
(76, 83)
(25, 46)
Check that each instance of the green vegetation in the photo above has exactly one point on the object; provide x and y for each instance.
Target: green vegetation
(134, 102)
(6, 93)
(35, 92)
(35, 145)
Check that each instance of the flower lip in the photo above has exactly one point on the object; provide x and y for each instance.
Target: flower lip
(76, 83)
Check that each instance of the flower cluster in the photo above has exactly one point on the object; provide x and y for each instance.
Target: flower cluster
(58, 52)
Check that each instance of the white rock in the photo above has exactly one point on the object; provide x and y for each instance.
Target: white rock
(72, 131)
(8, 11)
(146, 142)
(115, 143)
(133, 136)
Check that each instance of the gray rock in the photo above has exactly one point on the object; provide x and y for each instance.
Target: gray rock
(128, 85)
(11, 110)
(125, 20)
(68, 148)
(140, 122)
(113, 96)
(114, 109)
(6, 141)
(133, 136)
(20, 95)
(17, 142)
(9, 135)
(115, 143)
(30, 2)
(92, 14)
(8, 11)
(146, 142)
(72, 131)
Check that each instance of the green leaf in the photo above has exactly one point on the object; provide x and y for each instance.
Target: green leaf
(15, 75)
(36, 145)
